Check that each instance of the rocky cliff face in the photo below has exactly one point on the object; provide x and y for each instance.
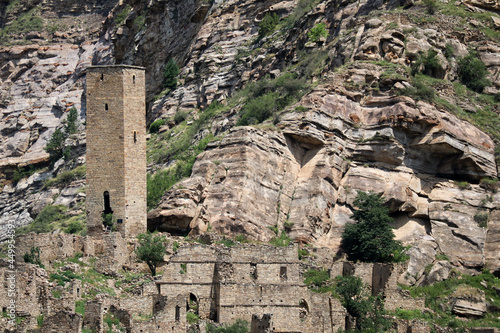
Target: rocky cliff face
(358, 125)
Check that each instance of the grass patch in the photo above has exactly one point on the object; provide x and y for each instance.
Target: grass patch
(67, 177)
(436, 298)
(26, 22)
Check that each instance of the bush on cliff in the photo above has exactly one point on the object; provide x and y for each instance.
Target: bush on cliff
(370, 239)
(472, 72)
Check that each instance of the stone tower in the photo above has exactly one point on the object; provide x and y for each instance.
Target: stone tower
(116, 149)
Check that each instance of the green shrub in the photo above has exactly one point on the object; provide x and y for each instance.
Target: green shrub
(431, 6)
(268, 24)
(428, 64)
(175, 246)
(170, 74)
(192, 318)
(39, 320)
(482, 219)
(448, 51)
(241, 238)
(318, 31)
(67, 177)
(33, 257)
(139, 22)
(257, 110)
(74, 227)
(180, 116)
(472, 72)
(239, 326)
(23, 172)
(122, 15)
(227, 242)
(80, 307)
(490, 184)
(266, 97)
(281, 241)
(318, 280)
(420, 92)
(156, 125)
(48, 215)
(370, 238)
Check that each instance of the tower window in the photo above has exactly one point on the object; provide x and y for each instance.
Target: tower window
(135, 136)
(283, 275)
(102, 76)
(133, 79)
(106, 107)
(177, 313)
(107, 205)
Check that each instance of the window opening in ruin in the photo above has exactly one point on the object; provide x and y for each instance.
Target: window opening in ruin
(107, 206)
(303, 309)
(283, 275)
(106, 107)
(133, 79)
(177, 313)
(253, 271)
(102, 76)
(135, 137)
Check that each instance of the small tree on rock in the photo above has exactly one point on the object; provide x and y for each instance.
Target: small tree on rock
(170, 74)
(151, 250)
(370, 239)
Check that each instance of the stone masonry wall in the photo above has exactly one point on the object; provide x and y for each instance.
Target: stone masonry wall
(116, 148)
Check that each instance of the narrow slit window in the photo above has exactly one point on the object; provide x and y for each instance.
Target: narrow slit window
(107, 205)
(133, 79)
(106, 107)
(135, 137)
(102, 76)
(177, 313)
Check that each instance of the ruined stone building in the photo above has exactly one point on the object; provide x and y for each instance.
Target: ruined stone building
(116, 148)
(261, 284)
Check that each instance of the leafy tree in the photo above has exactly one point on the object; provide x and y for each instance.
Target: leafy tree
(151, 250)
(170, 74)
(472, 72)
(70, 127)
(370, 239)
(367, 310)
(55, 145)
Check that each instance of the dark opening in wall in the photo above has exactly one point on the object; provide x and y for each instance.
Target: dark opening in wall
(135, 137)
(177, 313)
(107, 205)
(106, 108)
(253, 271)
(192, 303)
(102, 76)
(283, 275)
(133, 79)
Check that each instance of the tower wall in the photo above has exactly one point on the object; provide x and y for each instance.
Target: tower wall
(116, 148)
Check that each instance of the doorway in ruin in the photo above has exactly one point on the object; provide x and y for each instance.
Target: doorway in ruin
(192, 304)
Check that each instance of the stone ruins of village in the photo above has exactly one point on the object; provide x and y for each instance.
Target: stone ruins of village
(261, 284)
